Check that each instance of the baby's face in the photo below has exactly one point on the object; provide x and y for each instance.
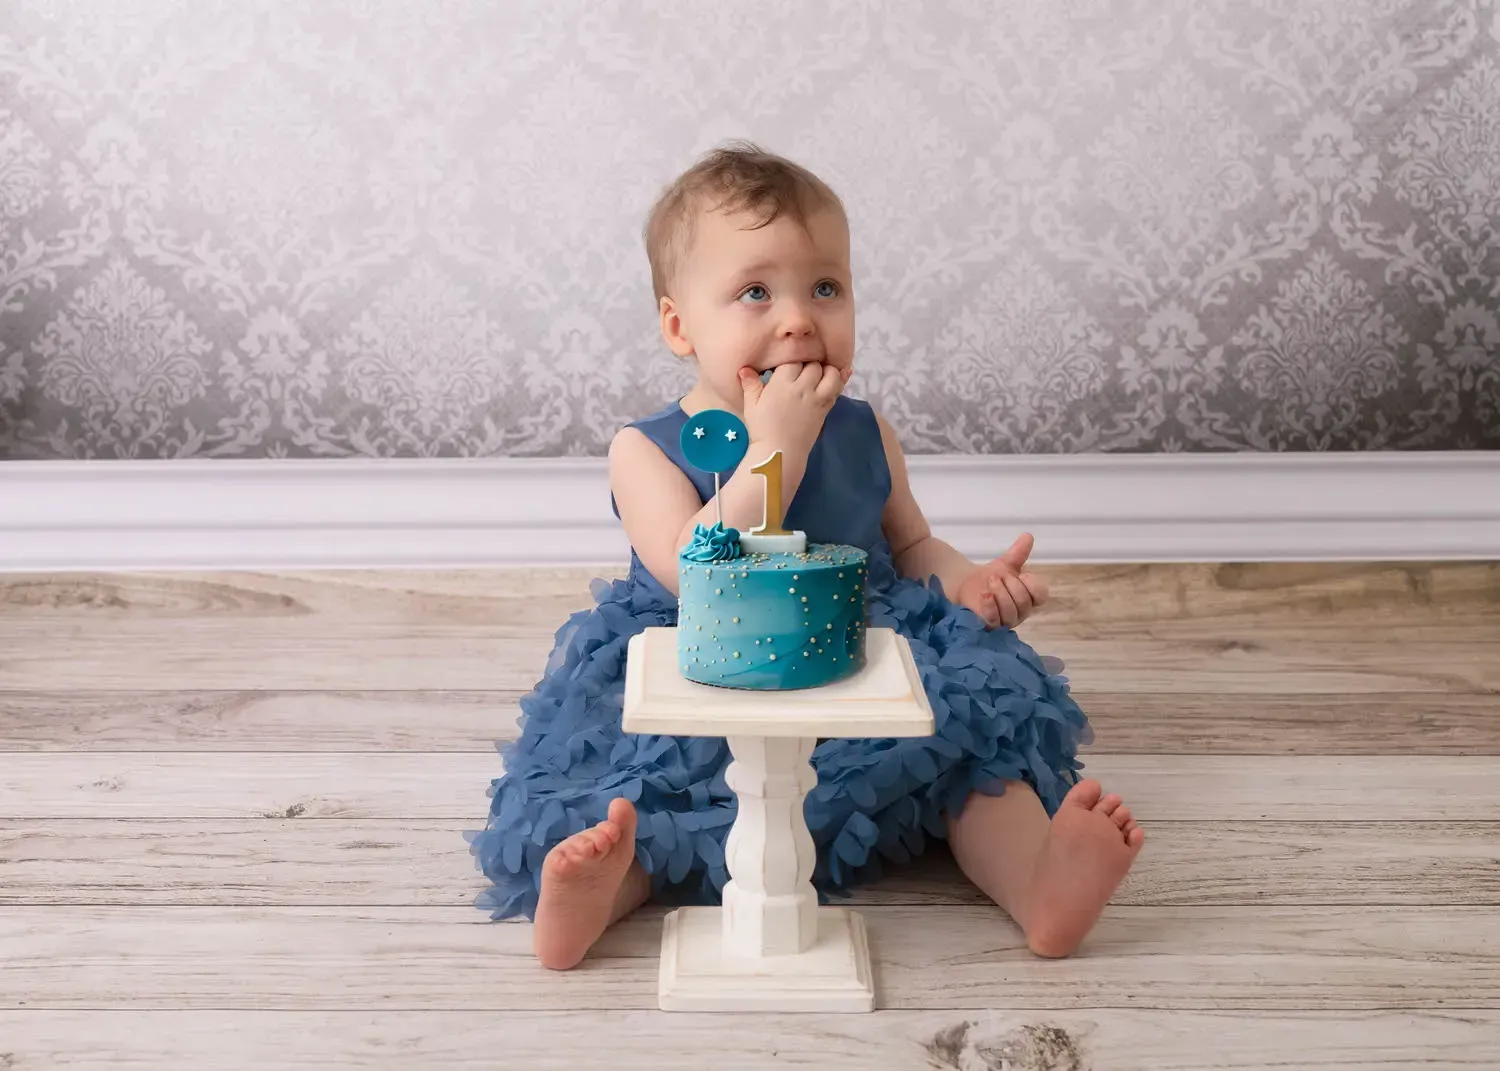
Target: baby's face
(778, 294)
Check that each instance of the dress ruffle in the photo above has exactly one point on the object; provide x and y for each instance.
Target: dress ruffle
(1000, 713)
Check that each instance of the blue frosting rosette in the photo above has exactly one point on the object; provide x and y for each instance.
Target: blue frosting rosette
(713, 544)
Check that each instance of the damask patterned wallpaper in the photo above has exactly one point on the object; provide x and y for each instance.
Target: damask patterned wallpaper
(387, 227)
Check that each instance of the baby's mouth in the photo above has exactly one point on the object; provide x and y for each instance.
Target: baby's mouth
(811, 359)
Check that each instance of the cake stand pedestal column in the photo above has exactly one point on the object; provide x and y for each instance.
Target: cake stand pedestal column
(770, 947)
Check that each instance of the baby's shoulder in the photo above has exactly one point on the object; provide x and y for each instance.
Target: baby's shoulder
(655, 430)
(645, 452)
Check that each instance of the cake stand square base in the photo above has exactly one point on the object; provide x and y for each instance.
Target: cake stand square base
(697, 974)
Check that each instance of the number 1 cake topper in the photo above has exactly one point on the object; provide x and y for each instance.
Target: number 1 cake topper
(715, 441)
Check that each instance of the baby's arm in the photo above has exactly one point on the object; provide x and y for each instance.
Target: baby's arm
(918, 553)
(659, 506)
(999, 592)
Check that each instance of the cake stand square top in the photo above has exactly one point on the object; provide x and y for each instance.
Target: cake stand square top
(884, 699)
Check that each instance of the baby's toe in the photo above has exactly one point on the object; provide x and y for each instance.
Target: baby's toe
(561, 861)
(1083, 795)
(597, 840)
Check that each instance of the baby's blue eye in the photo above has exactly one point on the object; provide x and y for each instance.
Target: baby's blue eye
(826, 289)
(755, 293)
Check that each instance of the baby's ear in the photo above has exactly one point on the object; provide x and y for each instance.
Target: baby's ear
(672, 330)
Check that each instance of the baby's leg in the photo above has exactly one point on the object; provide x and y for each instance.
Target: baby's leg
(589, 882)
(1053, 877)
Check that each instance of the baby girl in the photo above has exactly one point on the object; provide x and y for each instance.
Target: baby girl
(749, 257)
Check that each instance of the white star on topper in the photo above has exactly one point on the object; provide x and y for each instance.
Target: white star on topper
(731, 435)
(697, 433)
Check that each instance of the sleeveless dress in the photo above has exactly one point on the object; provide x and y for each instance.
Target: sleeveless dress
(1001, 713)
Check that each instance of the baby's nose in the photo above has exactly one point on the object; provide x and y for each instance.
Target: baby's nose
(797, 323)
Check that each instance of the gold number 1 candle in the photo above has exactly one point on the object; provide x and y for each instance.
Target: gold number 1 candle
(770, 468)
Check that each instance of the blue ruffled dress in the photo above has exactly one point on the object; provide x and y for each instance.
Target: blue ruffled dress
(1000, 712)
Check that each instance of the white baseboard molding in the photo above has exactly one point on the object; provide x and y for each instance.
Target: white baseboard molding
(355, 513)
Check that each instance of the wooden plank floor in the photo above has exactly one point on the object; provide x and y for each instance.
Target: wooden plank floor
(231, 810)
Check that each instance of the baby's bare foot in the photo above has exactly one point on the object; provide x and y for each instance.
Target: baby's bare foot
(1090, 845)
(581, 878)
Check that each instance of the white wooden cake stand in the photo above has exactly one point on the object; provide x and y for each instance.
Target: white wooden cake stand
(770, 947)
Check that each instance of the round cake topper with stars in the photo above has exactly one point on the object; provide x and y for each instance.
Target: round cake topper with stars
(715, 440)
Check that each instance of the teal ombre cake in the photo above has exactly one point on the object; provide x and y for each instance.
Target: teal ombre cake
(769, 621)
(766, 610)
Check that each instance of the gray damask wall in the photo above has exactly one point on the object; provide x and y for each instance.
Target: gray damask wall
(391, 227)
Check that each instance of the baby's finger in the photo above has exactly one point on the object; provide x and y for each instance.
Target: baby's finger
(1019, 551)
(830, 385)
(810, 375)
(992, 614)
(1010, 615)
(785, 373)
(1037, 586)
(751, 385)
(1019, 592)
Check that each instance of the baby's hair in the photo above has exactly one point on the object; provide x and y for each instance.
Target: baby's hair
(736, 177)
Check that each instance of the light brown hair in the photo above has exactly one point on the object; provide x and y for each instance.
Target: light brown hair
(737, 177)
